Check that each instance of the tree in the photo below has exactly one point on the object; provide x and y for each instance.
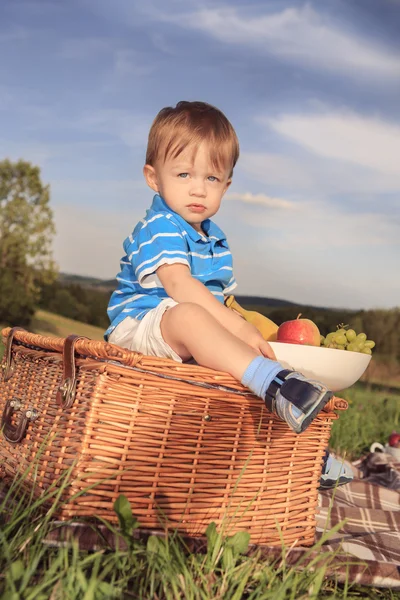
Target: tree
(26, 233)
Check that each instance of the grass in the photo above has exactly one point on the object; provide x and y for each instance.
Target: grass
(164, 569)
(373, 413)
(47, 323)
(153, 568)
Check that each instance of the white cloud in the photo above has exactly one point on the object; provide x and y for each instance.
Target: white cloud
(263, 200)
(308, 174)
(320, 255)
(316, 223)
(296, 35)
(365, 141)
(330, 153)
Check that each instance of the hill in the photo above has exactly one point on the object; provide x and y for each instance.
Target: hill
(108, 285)
(47, 323)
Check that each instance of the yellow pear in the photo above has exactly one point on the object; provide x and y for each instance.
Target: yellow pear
(265, 326)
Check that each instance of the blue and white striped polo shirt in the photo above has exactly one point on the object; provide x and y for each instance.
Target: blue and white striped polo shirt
(164, 237)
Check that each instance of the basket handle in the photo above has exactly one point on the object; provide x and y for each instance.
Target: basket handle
(7, 366)
(66, 392)
(336, 403)
(15, 433)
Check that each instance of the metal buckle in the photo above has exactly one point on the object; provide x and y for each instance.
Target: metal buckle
(15, 433)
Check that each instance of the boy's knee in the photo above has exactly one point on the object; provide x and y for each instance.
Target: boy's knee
(186, 311)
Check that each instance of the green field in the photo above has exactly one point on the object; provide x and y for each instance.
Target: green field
(165, 570)
(47, 323)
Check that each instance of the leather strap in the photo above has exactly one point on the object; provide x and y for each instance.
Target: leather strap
(66, 392)
(274, 386)
(14, 433)
(7, 366)
(300, 393)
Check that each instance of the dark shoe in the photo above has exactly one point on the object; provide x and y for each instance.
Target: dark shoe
(295, 399)
(334, 473)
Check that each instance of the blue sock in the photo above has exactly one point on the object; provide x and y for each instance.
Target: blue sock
(259, 374)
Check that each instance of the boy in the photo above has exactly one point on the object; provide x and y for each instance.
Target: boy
(178, 268)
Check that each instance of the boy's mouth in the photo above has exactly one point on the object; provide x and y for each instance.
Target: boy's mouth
(197, 207)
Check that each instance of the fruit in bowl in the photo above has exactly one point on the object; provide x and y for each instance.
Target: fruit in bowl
(338, 360)
(299, 331)
(337, 369)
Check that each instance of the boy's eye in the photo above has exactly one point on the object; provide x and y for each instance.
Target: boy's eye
(212, 178)
(183, 175)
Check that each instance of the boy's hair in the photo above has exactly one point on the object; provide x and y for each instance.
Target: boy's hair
(189, 124)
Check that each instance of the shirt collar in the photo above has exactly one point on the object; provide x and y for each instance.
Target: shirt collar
(209, 227)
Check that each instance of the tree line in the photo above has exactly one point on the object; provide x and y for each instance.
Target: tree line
(380, 325)
(29, 277)
(383, 326)
(76, 302)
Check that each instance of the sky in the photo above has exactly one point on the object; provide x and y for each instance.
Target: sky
(312, 89)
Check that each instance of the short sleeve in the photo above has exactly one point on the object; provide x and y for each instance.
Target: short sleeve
(230, 286)
(159, 241)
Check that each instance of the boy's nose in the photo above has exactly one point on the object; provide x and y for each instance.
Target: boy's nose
(197, 188)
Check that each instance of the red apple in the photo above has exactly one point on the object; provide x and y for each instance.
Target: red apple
(394, 440)
(299, 331)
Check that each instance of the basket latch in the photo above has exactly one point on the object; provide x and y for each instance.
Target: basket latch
(66, 392)
(7, 367)
(15, 433)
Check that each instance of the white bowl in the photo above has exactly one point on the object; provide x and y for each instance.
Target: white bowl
(337, 369)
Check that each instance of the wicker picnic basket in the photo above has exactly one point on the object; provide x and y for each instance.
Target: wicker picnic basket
(185, 444)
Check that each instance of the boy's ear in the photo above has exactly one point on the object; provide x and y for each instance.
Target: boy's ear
(150, 177)
(228, 183)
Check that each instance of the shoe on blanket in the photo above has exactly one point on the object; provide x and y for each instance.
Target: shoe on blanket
(295, 399)
(334, 473)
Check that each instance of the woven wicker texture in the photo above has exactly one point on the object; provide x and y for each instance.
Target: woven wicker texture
(187, 445)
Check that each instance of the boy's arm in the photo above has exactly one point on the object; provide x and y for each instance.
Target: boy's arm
(182, 287)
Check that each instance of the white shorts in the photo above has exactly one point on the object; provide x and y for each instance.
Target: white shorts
(145, 336)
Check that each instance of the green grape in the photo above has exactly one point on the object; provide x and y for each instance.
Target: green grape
(340, 331)
(369, 344)
(330, 335)
(332, 345)
(351, 335)
(341, 339)
(341, 347)
(361, 337)
(366, 351)
(351, 347)
(328, 339)
(321, 340)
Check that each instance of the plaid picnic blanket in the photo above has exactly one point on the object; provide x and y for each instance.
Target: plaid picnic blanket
(369, 515)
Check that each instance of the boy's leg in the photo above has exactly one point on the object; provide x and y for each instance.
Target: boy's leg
(191, 330)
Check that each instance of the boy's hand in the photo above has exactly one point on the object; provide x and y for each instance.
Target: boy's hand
(250, 334)
(182, 287)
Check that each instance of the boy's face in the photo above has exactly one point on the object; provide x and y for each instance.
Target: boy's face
(189, 184)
